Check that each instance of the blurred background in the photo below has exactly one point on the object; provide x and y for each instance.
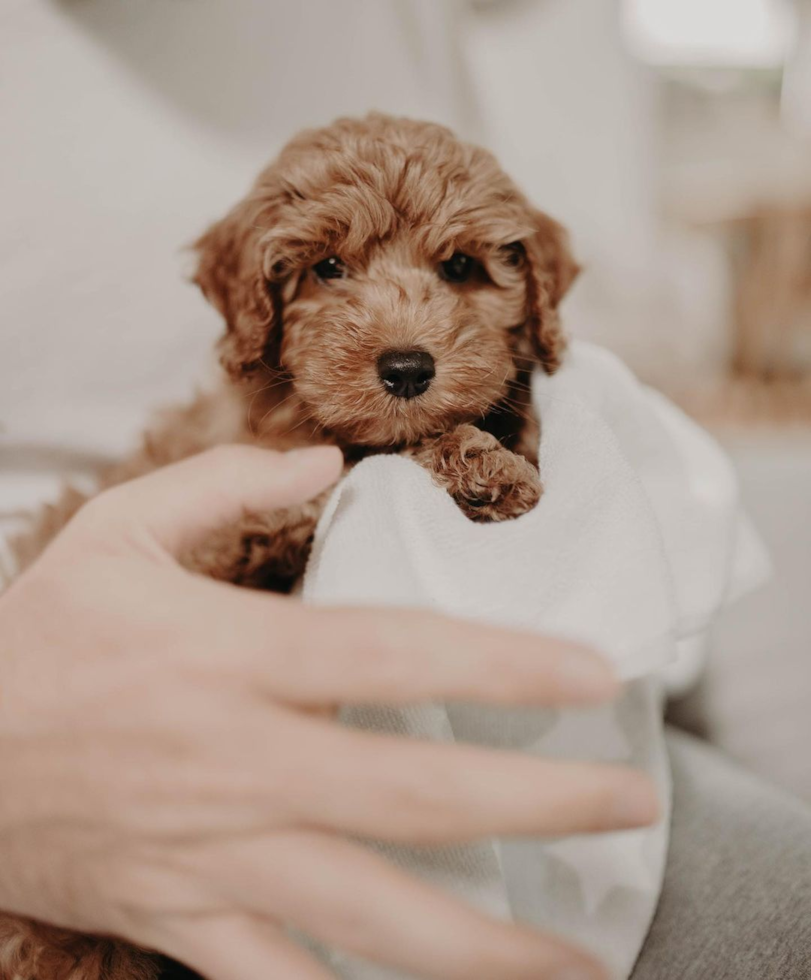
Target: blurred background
(672, 136)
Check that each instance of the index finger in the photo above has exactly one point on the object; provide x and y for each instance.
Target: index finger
(180, 503)
(314, 656)
(409, 654)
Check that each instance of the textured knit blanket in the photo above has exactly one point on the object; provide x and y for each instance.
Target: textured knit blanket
(635, 546)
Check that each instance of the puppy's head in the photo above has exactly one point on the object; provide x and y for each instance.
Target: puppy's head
(393, 274)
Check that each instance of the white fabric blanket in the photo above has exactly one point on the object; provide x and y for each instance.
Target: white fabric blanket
(636, 544)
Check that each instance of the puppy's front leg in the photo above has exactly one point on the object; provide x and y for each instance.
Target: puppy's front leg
(487, 480)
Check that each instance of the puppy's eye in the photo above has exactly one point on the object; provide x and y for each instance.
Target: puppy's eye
(457, 268)
(331, 268)
(515, 253)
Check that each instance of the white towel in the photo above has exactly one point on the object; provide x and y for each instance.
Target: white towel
(636, 544)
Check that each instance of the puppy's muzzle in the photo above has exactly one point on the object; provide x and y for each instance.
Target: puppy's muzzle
(406, 373)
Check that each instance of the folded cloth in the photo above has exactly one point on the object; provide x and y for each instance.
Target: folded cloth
(635, 546)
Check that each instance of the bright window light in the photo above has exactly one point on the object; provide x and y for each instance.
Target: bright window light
(739, 33)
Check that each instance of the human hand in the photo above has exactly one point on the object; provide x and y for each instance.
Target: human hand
(168, 774)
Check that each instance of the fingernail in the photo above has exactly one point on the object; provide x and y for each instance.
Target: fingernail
(636, 804)
(588, 674)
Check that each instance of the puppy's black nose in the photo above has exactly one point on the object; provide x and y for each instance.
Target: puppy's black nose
(406, 373)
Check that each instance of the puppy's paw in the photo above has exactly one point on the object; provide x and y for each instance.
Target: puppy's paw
(487, 481)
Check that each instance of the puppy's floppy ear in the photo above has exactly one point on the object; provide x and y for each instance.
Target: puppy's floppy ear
(551, 269)
(231, 274)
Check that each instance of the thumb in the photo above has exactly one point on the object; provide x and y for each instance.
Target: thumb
(179, 503)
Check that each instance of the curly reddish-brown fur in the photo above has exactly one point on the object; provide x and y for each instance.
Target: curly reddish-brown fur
(392, 199)
(34, 951)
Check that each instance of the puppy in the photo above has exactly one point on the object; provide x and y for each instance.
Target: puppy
(385, 288)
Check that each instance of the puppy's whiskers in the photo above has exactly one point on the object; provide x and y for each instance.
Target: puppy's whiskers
(276, 407)
(254, 396)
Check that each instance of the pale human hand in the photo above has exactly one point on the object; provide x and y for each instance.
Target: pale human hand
(169, 773)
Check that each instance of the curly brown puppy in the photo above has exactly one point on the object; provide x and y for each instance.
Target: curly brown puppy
(385, 288)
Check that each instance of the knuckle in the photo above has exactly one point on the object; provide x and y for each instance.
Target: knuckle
(502, 676)
(101, 512)
(430, 799)
(379, 650)
(108, 522)
(358, 636)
